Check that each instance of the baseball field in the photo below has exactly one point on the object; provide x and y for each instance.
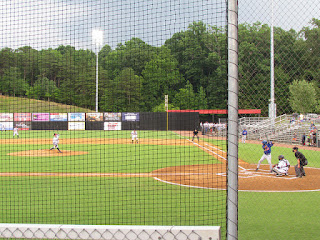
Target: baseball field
(102, 178)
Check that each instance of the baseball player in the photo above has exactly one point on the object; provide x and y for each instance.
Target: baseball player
(55, 142)
(134, 136)
(16, 132)
(266, 146)
(244, 135)
(302, 161)
(282, 168)
(195, 134)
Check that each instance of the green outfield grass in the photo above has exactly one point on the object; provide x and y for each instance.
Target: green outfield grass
(252, 153)
(105, 200)
(144, 201)
(285, 216)
(92, 134)
(112, 201)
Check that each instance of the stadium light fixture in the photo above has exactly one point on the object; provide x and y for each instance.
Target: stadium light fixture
(97, 40)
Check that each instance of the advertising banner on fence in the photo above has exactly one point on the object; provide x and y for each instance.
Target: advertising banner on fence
(112, 116)
(23, 125)
(94, 117)
(59, 117)
(6, 117)
(23, 117)
(76, 117)
(130, 117)
(40, 117)
(6, 126)
(109, 126)
(76, 126)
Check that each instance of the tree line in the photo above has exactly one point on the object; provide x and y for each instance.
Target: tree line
(190, 67)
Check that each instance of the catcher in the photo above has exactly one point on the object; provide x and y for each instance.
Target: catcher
(282, 168)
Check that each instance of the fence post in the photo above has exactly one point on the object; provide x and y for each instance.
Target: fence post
(233, 89)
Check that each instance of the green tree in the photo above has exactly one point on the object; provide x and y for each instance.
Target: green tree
(160, 77)
(311, 60)
(303, 97)
(134, 54)
(254, 66)
(161, 107)
(201, 99)
(185, 98)
(201, 55)
(12, 83)
(123, 93)
(44, 89)
(27, 61)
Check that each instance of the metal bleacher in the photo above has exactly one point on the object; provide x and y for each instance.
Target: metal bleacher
(282, 129)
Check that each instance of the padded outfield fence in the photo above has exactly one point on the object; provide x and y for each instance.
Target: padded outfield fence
(100, 121)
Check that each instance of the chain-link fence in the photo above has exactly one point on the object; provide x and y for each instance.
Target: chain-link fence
(279, 66)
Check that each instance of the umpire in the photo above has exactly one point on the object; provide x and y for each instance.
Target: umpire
(302, 161)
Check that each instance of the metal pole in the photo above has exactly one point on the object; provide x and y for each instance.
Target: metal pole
(272, 109)
(233, 89)
(97, 78)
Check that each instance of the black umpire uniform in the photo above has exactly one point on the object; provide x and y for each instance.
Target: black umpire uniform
(195, 134)
(302, 161)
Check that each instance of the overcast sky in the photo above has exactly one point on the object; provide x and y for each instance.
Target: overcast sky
(49, 23)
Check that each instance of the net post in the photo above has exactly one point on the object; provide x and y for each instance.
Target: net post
(233, 89)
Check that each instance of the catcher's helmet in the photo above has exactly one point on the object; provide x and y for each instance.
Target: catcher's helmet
(264, 142)
(280, 157)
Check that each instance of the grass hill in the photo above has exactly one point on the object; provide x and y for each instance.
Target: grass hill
(19, 104)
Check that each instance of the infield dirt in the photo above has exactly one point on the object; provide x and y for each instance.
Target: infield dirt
(212, 176)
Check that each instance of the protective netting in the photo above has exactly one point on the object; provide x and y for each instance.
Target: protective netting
(279, 70)
(101, 115)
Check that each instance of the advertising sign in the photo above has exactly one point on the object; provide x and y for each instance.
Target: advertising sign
(130, 117)
(112, 116)
(23, 117)
(76, 126)
(40, 117)
(6, 126)
(94, 117)
(6, 117)
(23, 125)
(76, 117)
(59, 117)
(109, 126)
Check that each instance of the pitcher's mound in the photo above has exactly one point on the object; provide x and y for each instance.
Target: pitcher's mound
(46, 153)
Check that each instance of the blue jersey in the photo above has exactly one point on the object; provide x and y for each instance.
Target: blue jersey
(267, 148)
(244, 132)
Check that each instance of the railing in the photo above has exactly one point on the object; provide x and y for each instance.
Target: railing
(282, 129)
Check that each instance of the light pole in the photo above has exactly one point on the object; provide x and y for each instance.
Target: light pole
(97, 40)
(272, 105)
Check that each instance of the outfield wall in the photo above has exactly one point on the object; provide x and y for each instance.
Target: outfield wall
(100, 121)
